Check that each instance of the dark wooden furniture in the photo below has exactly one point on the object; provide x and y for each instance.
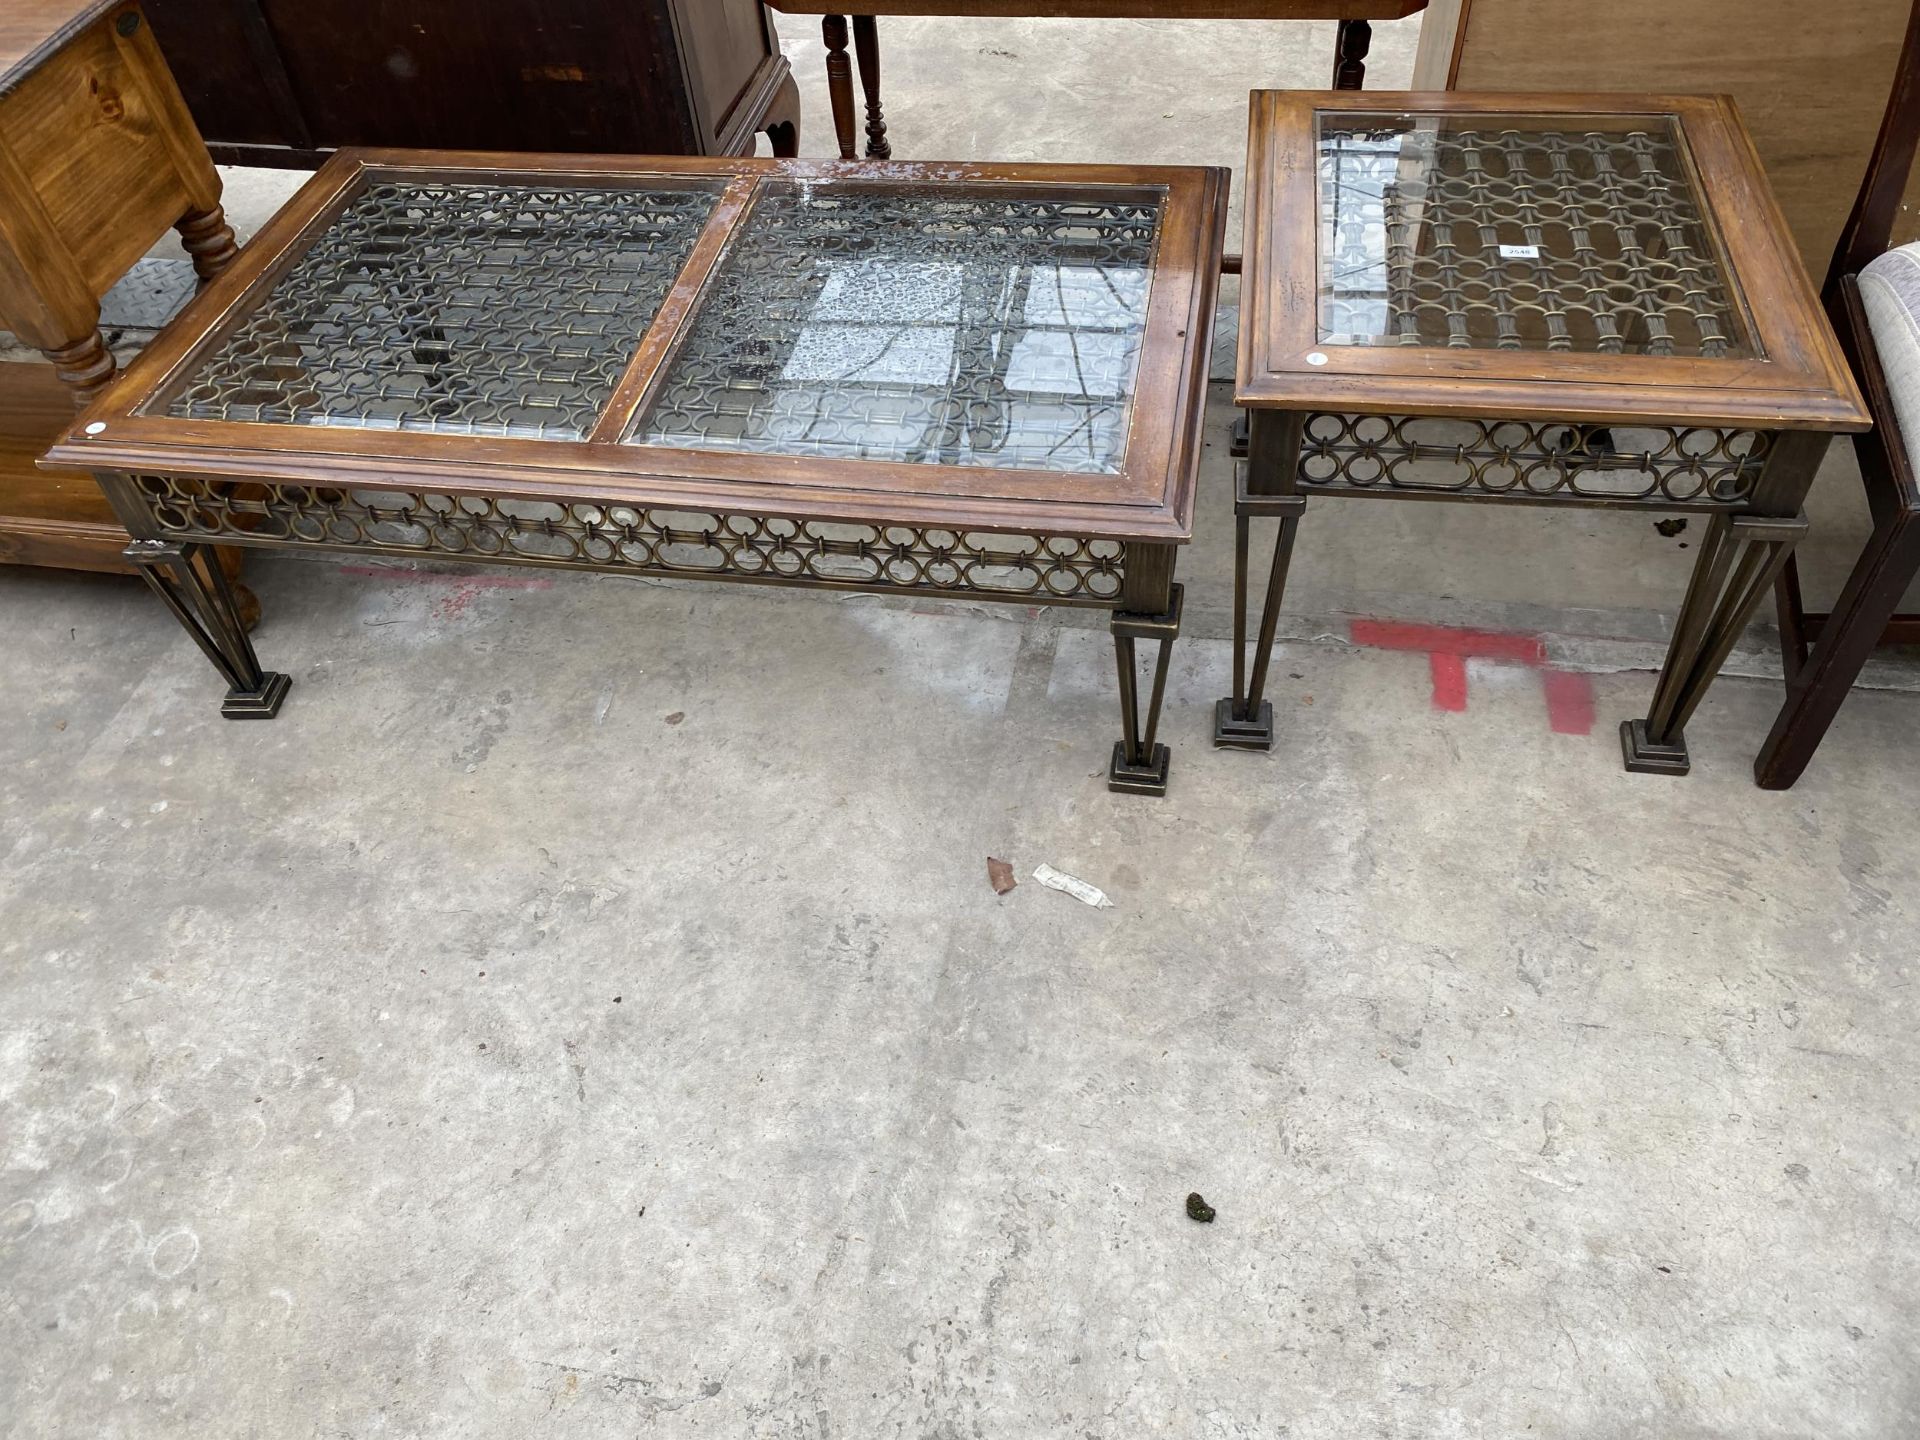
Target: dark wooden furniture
(978, 381)
(98, 159)
(1536, 299)
(1349, 60)
(285, 82)
(1822, 654)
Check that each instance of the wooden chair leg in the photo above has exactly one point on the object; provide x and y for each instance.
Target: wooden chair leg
(839, 81)
(1350, 55)
(866, 48)
(1816, 691)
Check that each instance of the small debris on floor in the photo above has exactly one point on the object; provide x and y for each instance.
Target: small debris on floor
(1672, 527)
(1198, 1209)
(1070, 885)
(1000, 876)
(676, 717)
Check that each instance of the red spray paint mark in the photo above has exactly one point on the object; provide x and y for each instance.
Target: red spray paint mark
(1449, 680)
(474, 583)
(1569, 701)
(1450, 640)
(1448, 648)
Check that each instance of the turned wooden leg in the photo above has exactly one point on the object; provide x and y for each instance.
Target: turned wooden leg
(209, 240)
(86, 367)
(1350, 54)
(839, 81)
(866, 45)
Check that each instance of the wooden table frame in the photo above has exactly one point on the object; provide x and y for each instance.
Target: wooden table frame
(1095, 540)
(1553, 411)
(1355, 38)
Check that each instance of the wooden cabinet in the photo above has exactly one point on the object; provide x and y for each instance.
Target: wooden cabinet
(98, 158)
(282, 82)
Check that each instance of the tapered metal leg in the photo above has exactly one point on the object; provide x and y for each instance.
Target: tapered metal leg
(189, 580)
(1740, 558)
(1244, 719)
(1140, 761)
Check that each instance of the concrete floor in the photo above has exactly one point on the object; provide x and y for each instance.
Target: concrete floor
(584, 1010)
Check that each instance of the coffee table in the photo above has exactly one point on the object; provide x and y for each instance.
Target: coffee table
(1561, 300)
(956, 380)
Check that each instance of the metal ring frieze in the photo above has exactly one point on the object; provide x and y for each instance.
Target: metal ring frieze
(590, 534)
(1535, 459)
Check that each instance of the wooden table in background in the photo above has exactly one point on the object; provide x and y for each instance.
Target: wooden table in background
(98, 159)
(1356, 19)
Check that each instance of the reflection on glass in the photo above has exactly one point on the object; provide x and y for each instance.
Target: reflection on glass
(463, 309)
(934, 325)
(1572, 233)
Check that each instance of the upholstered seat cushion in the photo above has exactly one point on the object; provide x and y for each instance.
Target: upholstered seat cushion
(1890, 294)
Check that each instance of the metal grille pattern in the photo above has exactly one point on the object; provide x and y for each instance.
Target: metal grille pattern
(932, 326)
(1435, 233)
(470, 309)
(594, 535)
(1692, 466)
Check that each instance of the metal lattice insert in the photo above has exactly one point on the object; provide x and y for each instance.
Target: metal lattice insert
(602, 535)
(1581, 233)
(471, 309)
(1691, 467)
(929, 325)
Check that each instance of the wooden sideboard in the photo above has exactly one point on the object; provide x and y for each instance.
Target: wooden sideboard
(284, 82)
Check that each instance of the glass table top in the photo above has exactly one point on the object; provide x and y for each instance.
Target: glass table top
(928, 324)
(1510, 232)
(473, 309)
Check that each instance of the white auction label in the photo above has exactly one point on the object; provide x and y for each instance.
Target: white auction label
(1519, 252)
